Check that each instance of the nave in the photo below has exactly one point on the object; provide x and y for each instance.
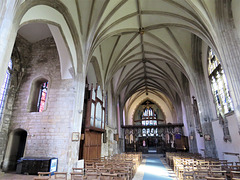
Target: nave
(85, 79)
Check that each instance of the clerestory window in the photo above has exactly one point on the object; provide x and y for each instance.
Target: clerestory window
(219, 84)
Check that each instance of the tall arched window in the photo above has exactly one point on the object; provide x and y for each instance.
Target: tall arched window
(38, 96)
(219, 85)
(4, 88)
(42, 96)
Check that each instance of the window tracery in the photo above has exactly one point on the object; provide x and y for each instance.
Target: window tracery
(220, 92)
(219, 84)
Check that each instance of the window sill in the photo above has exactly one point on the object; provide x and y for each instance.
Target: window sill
(229, 113)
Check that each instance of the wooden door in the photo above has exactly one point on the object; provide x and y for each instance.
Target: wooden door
(92, 145)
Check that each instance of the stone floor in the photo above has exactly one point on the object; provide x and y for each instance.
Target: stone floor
(13, 176)
(144, 169)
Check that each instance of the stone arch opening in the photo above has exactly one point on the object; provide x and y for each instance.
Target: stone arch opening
(15, 149)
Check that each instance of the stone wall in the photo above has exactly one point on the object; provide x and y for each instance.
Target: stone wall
(111, 146)
(19, 63)
(48, 132)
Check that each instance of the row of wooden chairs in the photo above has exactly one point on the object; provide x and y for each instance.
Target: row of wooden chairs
(124, 165)
(117, 167)
(193, 166)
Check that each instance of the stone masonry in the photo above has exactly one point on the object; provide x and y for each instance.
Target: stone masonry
(48, 132)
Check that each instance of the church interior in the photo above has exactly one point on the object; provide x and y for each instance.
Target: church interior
(87, 81)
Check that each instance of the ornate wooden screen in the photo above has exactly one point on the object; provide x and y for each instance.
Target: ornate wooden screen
(165, 136)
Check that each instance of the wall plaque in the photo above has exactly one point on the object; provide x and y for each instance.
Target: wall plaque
(75, 136)
(207, 137)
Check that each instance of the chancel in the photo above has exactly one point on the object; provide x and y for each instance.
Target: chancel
(89, 83)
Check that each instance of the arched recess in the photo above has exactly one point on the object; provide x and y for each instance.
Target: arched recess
(158, 107)
(15, 149)
(94, 75)
(62, 28)
(52, 11)
(169, 112)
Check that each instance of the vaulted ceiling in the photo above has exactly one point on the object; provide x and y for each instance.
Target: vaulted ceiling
(141, 46)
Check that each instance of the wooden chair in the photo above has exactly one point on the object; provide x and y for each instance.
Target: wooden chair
(43, 176)
(215, 163)
(100, 165)
(92, 176)
(78, 169)
(122, 172)
(119, 178)
(179, 170)
(216, 167)
(89, 164)
(223, 161)
(60, 175)
(77, 176)
(204, 163)
(125, 167)
(188, 172)
(235, 174)
(201, 172)
(108, 176)
(234, 168)
(105, 170)
(91, 170)
(218, 174)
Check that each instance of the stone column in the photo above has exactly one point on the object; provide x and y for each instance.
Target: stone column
(189, 115)
(178, 108)
(76, 122)
(4, 128)
(121, 148)
(206, 115)
(8, 32)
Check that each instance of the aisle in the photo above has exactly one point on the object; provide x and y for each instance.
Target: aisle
(153, 168)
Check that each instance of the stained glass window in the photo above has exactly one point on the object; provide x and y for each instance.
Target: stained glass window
(4, 88)
(219, 85)
(42, 97)
(148, 117)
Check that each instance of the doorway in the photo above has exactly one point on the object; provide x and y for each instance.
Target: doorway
(15, 149)
(92, 145)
